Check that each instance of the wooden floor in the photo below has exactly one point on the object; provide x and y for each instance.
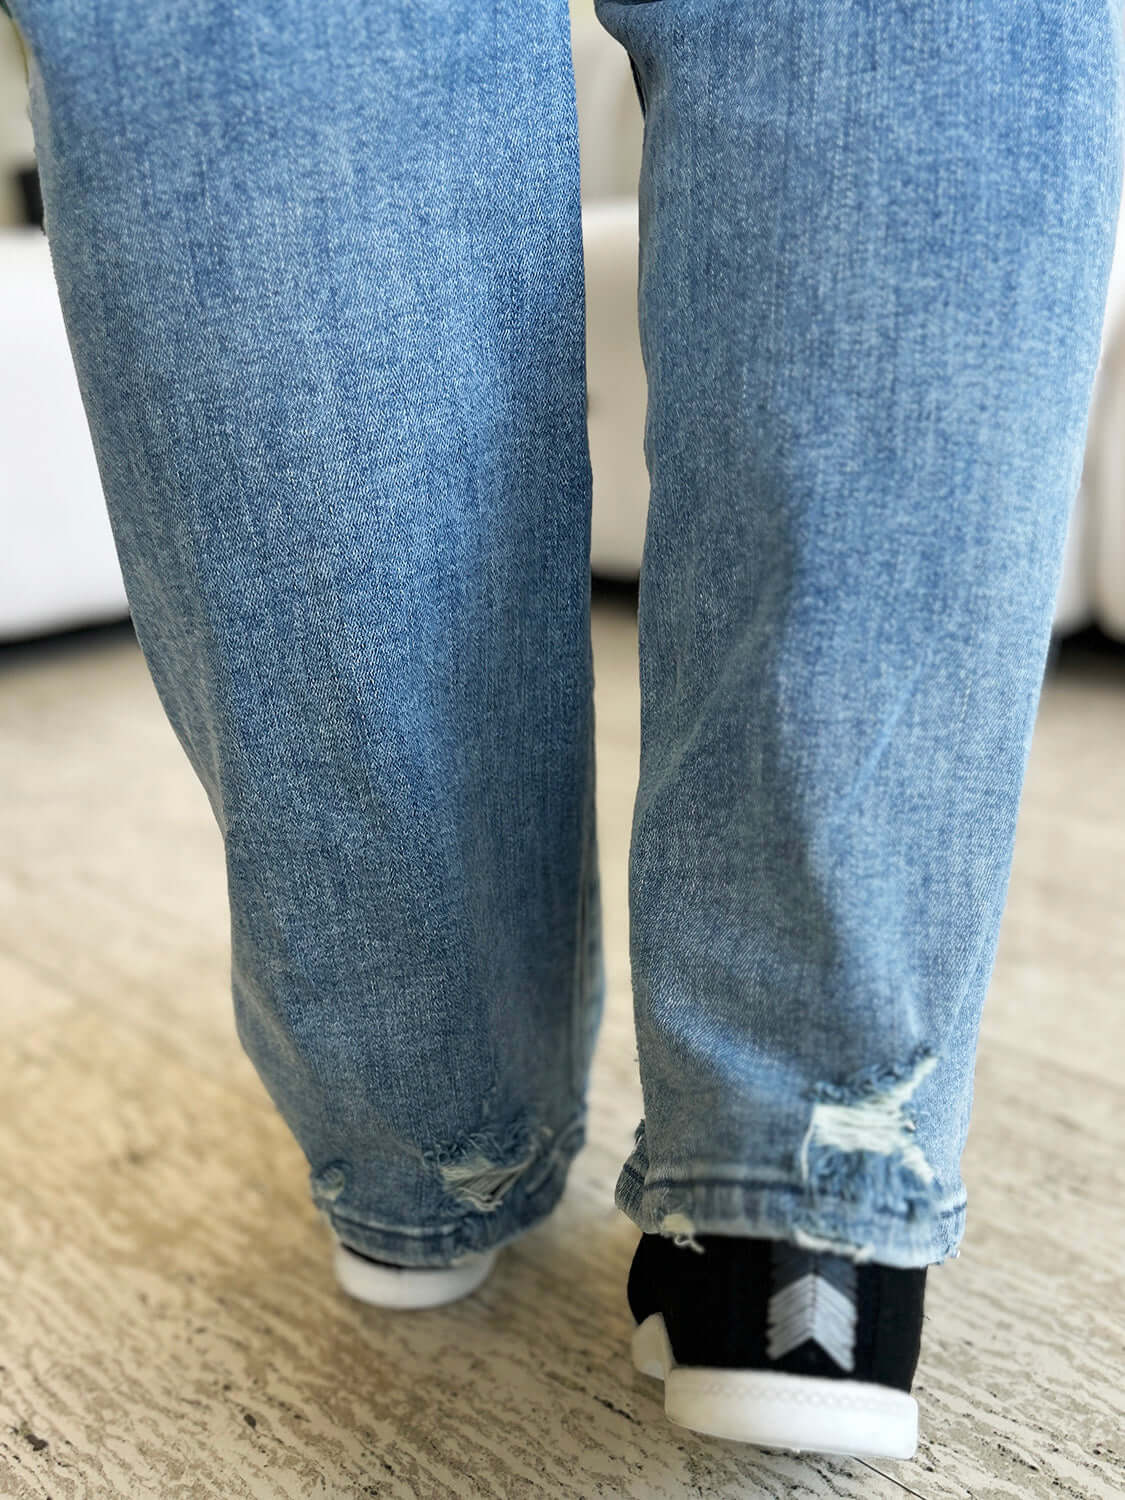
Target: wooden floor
(168, 1322)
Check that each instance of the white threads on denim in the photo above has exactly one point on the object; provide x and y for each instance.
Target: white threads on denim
(857, 1253)
(876, 1121)
(682, 1230)
(482, 1183)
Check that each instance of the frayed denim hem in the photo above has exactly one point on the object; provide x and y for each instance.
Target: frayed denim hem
(785, 1211)
(526, 1200)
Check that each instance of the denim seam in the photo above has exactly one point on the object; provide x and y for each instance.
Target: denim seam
(750, 1184)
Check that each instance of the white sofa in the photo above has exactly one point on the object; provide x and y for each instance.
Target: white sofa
(1092, 591)
(58, 567)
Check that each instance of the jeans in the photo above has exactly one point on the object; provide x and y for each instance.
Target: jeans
(321, 272)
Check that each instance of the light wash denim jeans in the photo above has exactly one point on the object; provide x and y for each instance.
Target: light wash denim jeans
(321, 272)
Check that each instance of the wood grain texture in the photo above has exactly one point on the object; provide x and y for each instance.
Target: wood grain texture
(169, 1326)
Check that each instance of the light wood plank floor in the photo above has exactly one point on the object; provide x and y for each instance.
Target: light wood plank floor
(168, 1323)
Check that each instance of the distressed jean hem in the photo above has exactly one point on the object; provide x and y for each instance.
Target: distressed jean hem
(784, 1211)
(473, 1232)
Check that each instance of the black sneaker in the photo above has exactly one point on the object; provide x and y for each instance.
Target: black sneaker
(766, 1343)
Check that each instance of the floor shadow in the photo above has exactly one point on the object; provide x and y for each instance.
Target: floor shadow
(30, 651)
(1088, 655)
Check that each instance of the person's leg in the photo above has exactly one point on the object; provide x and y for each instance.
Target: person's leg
(875, 249)
(321, 271)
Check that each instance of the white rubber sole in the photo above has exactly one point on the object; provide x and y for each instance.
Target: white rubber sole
(800, 1413)
(409, 1287)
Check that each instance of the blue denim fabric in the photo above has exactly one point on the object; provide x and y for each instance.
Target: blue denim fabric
(321, 272)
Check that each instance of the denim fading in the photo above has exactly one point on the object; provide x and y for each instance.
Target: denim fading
(321, 272)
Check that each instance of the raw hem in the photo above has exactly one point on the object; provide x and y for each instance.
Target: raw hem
(472, 1233)
(783, 1211)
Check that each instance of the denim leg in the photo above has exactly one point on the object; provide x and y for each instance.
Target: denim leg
(322, 276)
(875, 245)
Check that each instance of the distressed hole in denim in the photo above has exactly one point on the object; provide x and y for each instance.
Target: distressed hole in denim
(330, 1181)
(860, 1145)
(478, 1181)
(482, 1169)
